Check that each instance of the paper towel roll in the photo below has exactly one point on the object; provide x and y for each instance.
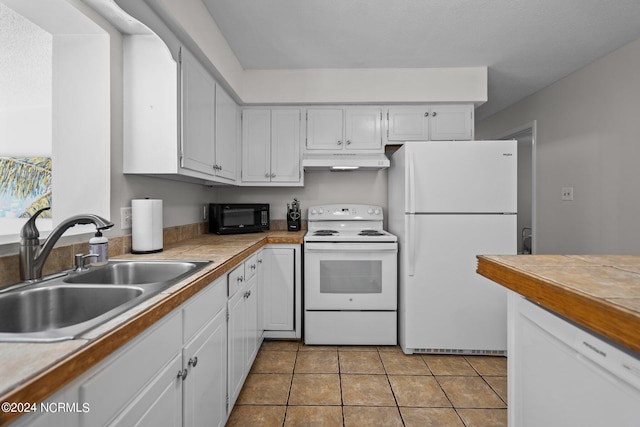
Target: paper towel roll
(146, 226)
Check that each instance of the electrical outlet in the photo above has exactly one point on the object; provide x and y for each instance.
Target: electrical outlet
(567, 194)
(125, 218)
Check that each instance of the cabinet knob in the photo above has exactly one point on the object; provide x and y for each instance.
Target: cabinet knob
(273, 175)
(348, 142)
(259, 261)
(182, 373)
(266, 175)
(240, 278)
(193, 361)
(339, 142)
(252, 266)
(426, 114)
(434, 114)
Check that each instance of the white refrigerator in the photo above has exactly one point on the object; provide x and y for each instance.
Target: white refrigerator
(448, 202)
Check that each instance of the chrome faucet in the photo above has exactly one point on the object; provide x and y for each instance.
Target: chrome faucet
(33, 256)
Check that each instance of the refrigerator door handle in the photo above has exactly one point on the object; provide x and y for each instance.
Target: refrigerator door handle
(411, 187)
(411, 239)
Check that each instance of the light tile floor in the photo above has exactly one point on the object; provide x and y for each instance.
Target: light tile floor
(292, 384)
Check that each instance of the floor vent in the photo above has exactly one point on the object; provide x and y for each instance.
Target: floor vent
(459, 351)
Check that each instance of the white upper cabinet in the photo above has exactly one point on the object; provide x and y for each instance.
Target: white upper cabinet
(362, 129)
(430, 122)
(226, 147)
(344, 129)
(178, 123)
(271, 146)
(198, 112)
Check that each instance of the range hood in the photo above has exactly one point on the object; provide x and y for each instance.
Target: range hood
(344, 162)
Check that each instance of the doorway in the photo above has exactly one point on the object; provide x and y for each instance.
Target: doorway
(526, 137)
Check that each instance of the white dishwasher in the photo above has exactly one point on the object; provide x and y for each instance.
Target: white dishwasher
(562, 375)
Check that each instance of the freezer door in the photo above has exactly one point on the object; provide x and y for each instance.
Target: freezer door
(444, 304)
(461, 176)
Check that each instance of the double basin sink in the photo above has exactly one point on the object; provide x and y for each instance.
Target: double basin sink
(64, 307)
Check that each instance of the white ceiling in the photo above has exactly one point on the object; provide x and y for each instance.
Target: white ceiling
(526, 44)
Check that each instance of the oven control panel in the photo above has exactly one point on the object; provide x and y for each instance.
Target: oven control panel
(345, 212)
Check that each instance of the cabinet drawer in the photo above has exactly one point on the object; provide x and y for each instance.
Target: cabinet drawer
(236, 279)
(206, 304)
(129, 371)
(251, 266)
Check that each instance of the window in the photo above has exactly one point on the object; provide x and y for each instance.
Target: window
(55, 70)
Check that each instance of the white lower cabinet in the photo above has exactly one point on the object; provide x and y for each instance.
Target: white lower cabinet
(205, 388)
(279, 287)
(116, 384)
(189, 367)
(159, 403)
(244, 339)
(277, 282)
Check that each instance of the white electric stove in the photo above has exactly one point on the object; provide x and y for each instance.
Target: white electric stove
(350, 289)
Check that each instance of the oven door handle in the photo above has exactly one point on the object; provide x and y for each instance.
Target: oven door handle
(350, 247)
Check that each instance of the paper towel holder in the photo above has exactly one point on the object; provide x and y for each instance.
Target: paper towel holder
(146, 226)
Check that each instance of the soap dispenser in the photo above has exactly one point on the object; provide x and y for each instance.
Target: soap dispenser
(99, 245)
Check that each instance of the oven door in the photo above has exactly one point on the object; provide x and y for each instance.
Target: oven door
(351, 276)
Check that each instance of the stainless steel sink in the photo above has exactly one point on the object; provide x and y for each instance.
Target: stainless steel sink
(134, 272)
(64, 307)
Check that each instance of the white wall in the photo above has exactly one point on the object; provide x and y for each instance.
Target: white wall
(588, 137)
(366, 187)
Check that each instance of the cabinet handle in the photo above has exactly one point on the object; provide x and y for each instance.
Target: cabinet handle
(273, 175)
(348, 142)
(339, 142)
(182, 373)
(240, 278)
(259, 261)
(266, 175)
(426, 114)
(193, 362)
(433, 114)
(252, 266)
(248, 294)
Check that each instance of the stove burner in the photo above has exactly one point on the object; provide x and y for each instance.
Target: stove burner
(370, 233)
(325, 233)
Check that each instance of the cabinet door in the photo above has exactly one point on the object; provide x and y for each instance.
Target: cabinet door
(251, 313)
(126, 374)
(285, 145)
(277, 289)
(451, 122)
(236, 344)
(226, 135)
(408, 123)
(363, 128)
(205, 388)
(159, 404)
(256, 146)
(324, 129)
(198, 112)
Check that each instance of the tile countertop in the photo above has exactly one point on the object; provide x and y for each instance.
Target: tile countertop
(598, 292)
(30, 372)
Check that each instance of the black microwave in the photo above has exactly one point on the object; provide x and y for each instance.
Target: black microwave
(233, 218)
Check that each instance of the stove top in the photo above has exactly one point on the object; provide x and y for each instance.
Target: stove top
(347, 223)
